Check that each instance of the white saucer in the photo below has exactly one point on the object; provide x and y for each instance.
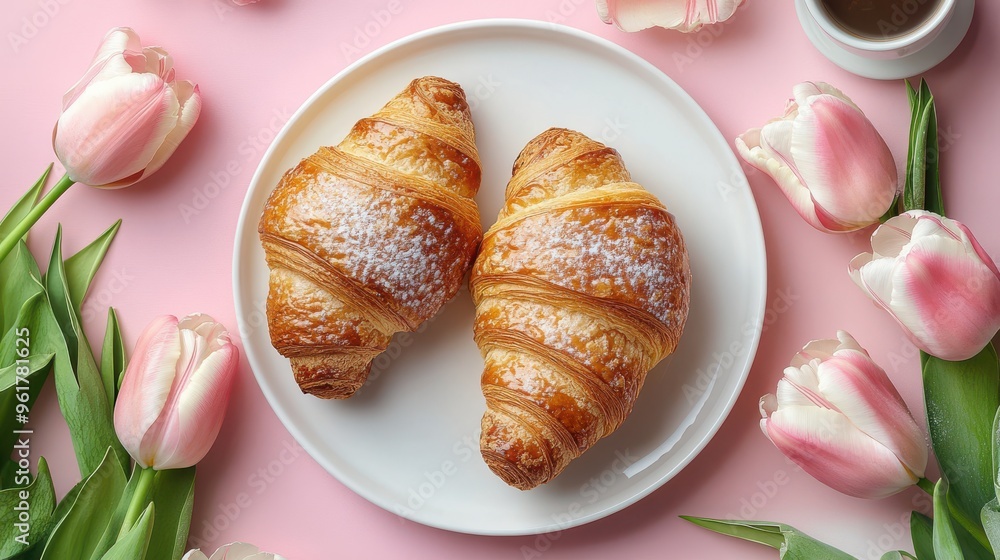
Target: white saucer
(891, 69)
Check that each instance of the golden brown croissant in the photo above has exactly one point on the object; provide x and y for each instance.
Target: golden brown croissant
(373, 236)
(581, 287)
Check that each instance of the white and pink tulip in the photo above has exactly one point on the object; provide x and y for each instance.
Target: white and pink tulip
(175, 390)
(682, 15)
(827, 158)
(234, 551)
(935, 279)
(836, 414)
(126, 116)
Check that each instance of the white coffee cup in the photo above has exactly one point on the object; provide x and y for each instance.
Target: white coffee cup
(878, 48)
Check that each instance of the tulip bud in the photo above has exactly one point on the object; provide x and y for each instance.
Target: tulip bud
(827, 158)
(174, 394)
(126, 116)
(837, 415)
(681, 15)
(234, 551)
(935, 279)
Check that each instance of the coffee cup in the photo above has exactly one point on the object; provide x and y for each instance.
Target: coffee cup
(881, 29)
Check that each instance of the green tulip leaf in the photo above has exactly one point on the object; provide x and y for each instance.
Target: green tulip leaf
(24, 204)
(922, 535)
(173, 494)
(790, 542)
(7, 224)
(20, 282)
(922, 186)
(81, 267)
(135, 543)
(112, 357)
(117, 518)
(38, 501)
(945, 541)
(897, 555)
(990, 517)
(19, 389)
(961, 399)
(933, 197)
(80, 387)
(79, 533)
(995, 443)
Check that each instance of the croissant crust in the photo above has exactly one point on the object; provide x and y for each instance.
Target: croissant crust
(581, 287)
(373, 236)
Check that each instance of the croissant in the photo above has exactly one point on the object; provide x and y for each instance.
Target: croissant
(581, 287)
(371, 237)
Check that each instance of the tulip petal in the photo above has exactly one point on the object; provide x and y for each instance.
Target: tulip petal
(826, 348)
(114, 128)
(802, 92)
(753, 148)
(189, 98)
(682, 15)
(875, 277)
(862, 391)
(843, 161)
(194, 413)
(108, 62)
(146, 385)
(159, 62)
(948, 300)
(890, 238)
(195, 554)
(235, 551)
(835, 452)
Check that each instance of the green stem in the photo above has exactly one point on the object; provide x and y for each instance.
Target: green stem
(138, 502)
(926, 486)
(19, 231)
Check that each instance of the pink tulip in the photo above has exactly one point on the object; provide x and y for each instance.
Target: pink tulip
(244, 2)
(234, 551)
(837, 415)
(175, 391)
(827, 158)
(682, 15)
(935, 279)
(126, 116)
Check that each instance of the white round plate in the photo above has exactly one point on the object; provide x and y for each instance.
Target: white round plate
(891, 68)
(408, 440)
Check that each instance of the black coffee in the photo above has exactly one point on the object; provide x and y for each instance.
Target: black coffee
(880, 19)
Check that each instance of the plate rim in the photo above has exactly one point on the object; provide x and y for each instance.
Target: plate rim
(756, 317)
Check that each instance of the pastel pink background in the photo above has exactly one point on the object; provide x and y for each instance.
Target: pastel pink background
(260, 62)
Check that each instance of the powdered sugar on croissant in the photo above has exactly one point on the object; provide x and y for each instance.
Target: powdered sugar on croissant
(373, 236)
